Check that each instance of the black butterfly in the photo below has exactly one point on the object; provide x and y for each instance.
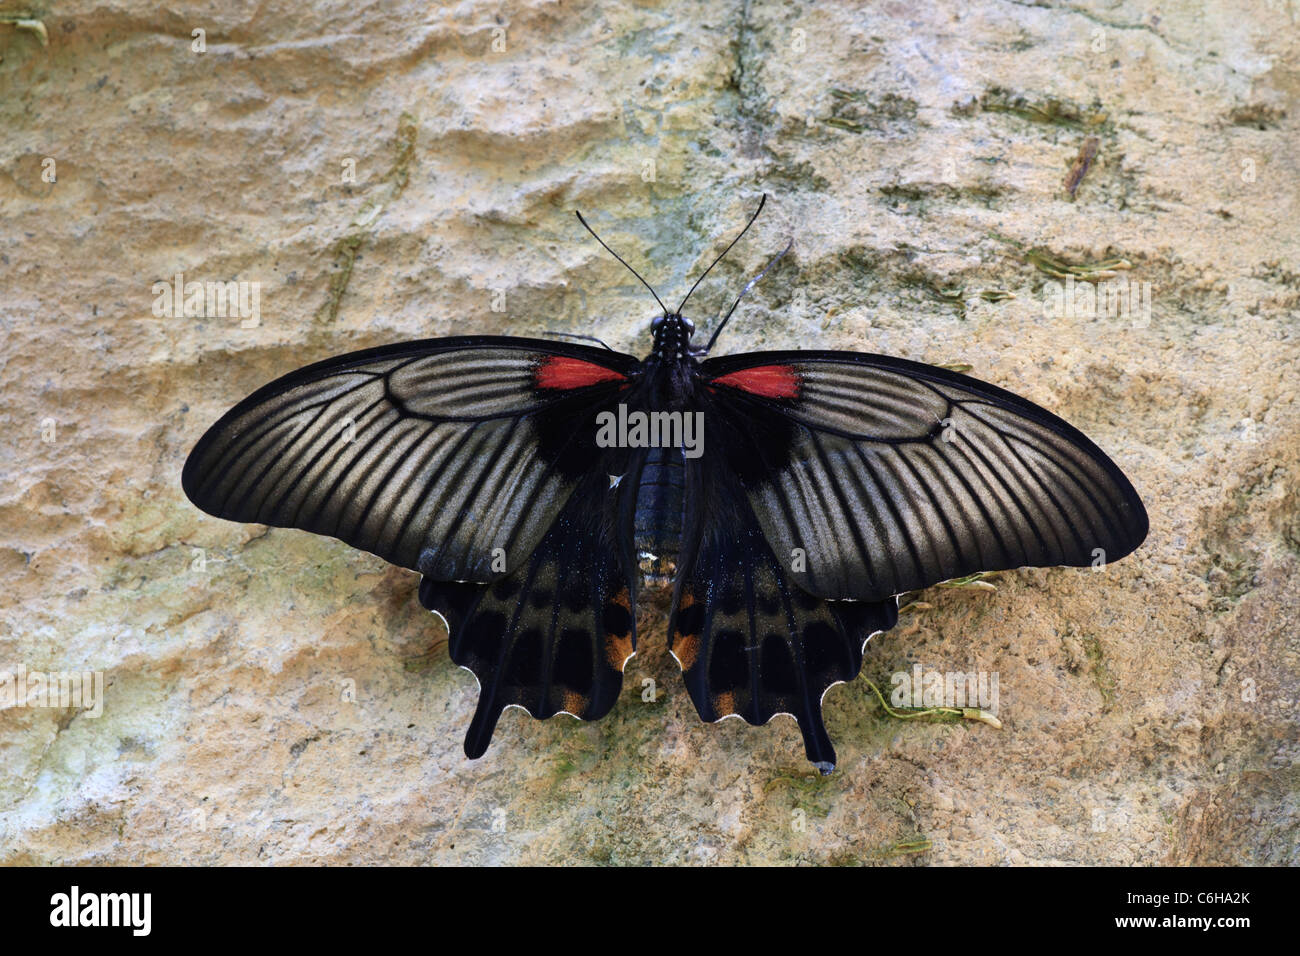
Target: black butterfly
(827, 484)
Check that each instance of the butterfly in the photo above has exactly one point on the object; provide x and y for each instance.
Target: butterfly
(788, 498)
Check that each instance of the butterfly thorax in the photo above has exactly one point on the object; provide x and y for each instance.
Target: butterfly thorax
(672, 338)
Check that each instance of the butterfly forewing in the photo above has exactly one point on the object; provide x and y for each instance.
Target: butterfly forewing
(451, 457)
(887, 475)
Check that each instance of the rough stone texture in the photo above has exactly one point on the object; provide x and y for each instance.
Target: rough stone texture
(910, 150)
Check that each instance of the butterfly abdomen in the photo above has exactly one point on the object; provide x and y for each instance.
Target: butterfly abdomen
(660, 499)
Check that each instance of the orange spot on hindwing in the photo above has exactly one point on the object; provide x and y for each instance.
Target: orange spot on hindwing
(618, 650)
(686, 643)
(618, 630)
(686, 648)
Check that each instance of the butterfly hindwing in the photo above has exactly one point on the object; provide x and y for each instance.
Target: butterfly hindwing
(435, 455)
(891, 475)
(555, 634)
(750, 642)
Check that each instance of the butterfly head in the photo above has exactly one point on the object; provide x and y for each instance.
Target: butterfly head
(672, 334)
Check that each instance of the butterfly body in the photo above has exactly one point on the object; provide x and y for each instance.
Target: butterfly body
(660, 511)
(786, 497)
(665, 383)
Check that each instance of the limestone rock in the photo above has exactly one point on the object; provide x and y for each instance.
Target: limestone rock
(271, 696)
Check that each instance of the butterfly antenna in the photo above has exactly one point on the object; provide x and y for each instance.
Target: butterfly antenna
(575, 335)
(748, 285)
(620, 259)
(761, 203)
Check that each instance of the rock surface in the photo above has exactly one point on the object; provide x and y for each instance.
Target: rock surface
(276, 697)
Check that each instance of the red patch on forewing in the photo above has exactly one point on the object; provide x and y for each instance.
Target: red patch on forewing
(768, 381)
(558, 371)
